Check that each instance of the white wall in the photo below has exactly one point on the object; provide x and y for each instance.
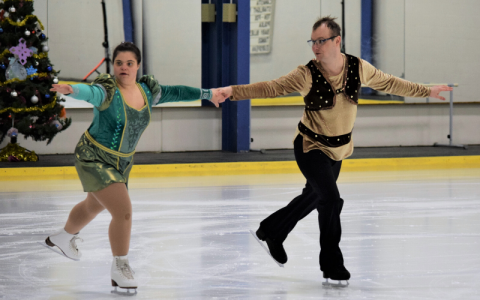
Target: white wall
(389, 36)
(442, 42)
(172, 38)
(75, 33)
(432, 41)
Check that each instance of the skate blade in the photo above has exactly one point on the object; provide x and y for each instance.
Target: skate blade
(265, 248)
(338, 284)
(56, 250)
(124, 293)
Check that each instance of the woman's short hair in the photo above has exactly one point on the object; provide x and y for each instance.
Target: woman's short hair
(127, 47)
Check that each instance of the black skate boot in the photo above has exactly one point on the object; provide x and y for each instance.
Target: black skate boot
(276, 248)
(338, 274)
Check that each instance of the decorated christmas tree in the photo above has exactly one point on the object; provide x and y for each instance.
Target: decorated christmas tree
(26, 75)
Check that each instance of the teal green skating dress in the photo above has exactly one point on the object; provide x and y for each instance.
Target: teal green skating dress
(104, 154)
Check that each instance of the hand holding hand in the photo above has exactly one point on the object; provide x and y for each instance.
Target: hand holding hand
(226, 91)
(435, 91)
(62, 88)
(217, 97)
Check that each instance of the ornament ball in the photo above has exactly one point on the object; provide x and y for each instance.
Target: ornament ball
(49, 69)
(14, 94)
(55, 80)
(47, 96)
(42, 36)
(12, 9)
(34, 99)
(45, 48)
(27, 33)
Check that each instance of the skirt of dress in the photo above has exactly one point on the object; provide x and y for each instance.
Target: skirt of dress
(98, 166)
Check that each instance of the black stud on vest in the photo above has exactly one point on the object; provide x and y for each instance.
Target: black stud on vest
(322, 94)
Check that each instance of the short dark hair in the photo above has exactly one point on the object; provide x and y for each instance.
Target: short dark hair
(330, 22)
(127, 47)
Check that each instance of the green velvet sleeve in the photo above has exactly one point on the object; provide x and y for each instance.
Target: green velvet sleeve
(175, 93)
(90, 93)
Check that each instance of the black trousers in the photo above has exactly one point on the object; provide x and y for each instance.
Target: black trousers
(320, 193)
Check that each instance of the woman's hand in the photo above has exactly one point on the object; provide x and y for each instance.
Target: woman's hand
(217, 97)
(62, 88)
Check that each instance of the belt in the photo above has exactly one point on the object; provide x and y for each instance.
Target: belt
(330, 141)
(120, 154)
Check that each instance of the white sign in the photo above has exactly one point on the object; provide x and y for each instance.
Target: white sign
(261, 26)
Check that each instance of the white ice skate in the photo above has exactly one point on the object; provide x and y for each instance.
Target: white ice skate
(335, 283)
(122, 276)
(64, 244)
(265, 248)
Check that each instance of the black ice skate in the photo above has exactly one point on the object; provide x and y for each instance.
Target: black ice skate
(340, 276)
(275, 249)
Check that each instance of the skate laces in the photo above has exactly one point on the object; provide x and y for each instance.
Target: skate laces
(125, 269)
(73, 244)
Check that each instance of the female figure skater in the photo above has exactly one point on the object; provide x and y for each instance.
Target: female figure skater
(104, 154)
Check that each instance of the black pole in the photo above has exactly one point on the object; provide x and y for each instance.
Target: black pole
(105, 42)
(343, 26)
(144, 44)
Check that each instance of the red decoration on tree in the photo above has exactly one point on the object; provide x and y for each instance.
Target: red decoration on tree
(63, 113)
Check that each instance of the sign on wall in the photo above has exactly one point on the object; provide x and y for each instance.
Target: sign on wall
(261, 26)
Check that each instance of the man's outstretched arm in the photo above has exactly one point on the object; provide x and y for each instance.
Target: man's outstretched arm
(380, 81)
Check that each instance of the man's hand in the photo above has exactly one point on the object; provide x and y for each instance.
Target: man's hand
(435, 91)
(217, 97)
(226, 91)
(62, 88)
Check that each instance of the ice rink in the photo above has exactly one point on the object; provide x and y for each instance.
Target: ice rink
(406, 235)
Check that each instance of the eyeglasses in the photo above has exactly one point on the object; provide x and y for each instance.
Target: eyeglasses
(319, 42)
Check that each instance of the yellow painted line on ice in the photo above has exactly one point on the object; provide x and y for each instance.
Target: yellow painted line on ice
(245, 168)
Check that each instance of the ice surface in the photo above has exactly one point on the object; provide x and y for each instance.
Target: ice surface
(406, 235)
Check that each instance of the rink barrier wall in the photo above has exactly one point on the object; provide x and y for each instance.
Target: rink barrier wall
(246, 168)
